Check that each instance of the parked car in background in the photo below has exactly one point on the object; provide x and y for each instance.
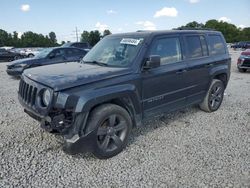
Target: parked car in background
(241, 44)
(31, 52)
(243, 62)
(83, 45)
(46, 57)
(6, 55)
(27, 52)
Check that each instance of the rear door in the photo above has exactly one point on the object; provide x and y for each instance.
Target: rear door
(199, 64)
(164, 87)
(74, 54)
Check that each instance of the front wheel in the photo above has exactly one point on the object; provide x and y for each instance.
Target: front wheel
(214, 96)
(113, 125)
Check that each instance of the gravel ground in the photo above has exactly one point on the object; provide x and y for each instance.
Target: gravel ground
(188, 148)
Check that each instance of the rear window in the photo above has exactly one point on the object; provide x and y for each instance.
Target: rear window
(216, 45)
(81, 45)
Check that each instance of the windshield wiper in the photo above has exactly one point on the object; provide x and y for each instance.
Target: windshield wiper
(95, 62)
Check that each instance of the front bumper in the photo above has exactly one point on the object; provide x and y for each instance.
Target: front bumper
(83, 144)
(74, 145)
(60, 116)
(243, 63)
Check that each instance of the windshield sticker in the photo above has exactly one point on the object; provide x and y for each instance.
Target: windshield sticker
(130, 41)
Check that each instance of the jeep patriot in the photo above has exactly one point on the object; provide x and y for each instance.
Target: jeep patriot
(124, 79)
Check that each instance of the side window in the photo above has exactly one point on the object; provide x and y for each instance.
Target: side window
(168, 49)
(216, 45)
(194, 46)
(69, 52)
(204, 46)
(57, 53)
(83, 45)
(78, 52)
(77, 45)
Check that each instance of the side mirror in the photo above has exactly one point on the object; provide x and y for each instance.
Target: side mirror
(153, 62)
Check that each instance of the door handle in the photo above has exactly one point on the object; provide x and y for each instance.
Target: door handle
(181, 71)
(209, 65)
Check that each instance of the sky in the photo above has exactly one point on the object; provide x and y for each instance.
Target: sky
(64, 16)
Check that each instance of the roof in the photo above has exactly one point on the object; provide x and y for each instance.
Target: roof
(144, 33)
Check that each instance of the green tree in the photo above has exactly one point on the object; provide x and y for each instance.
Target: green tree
(106, 32)
(85, 36)
(15, 39)
(192, 24)
(4, 38)
(94, 37)
(245, 34)
(52, 37)
(230, 31)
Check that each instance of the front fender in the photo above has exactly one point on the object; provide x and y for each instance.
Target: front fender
(98, 96)
(85, 100)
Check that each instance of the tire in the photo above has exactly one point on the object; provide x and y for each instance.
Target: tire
(242, 70)
(214, 96)
(113, 125)
(16, 58)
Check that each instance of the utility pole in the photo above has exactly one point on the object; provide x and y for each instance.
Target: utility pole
(76, 34)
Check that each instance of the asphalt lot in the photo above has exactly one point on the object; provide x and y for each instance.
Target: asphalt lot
(188, 148)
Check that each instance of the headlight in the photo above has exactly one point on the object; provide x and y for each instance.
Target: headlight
(46, 97)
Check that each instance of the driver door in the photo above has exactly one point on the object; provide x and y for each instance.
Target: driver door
(164, 87)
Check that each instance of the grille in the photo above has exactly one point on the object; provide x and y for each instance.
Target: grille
(246, 62)
(27, 93)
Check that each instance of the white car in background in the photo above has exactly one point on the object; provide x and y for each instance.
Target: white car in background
(31, 52)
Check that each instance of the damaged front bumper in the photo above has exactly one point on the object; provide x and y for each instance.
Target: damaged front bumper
(80, 144)
(75, 138)
(63, 115)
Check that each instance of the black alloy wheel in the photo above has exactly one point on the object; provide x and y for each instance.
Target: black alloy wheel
(112, 124)
(112, 133)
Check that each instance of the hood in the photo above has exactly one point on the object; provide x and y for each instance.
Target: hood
(71, 74)
(23, 61)
(246, 52)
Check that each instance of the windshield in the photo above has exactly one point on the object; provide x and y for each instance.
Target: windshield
(114, 51)
(43, 53)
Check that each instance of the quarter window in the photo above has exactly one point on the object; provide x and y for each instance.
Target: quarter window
(217, 46)
(168, 49)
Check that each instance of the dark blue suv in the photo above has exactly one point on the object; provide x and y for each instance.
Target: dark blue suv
(124, 79)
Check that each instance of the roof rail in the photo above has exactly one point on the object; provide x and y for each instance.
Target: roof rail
(143, 30)
(194, 28)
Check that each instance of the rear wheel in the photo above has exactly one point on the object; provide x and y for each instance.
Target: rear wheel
(214, 96)
(31, 55)
(242, 70)
(113, 128)
(17, 57)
